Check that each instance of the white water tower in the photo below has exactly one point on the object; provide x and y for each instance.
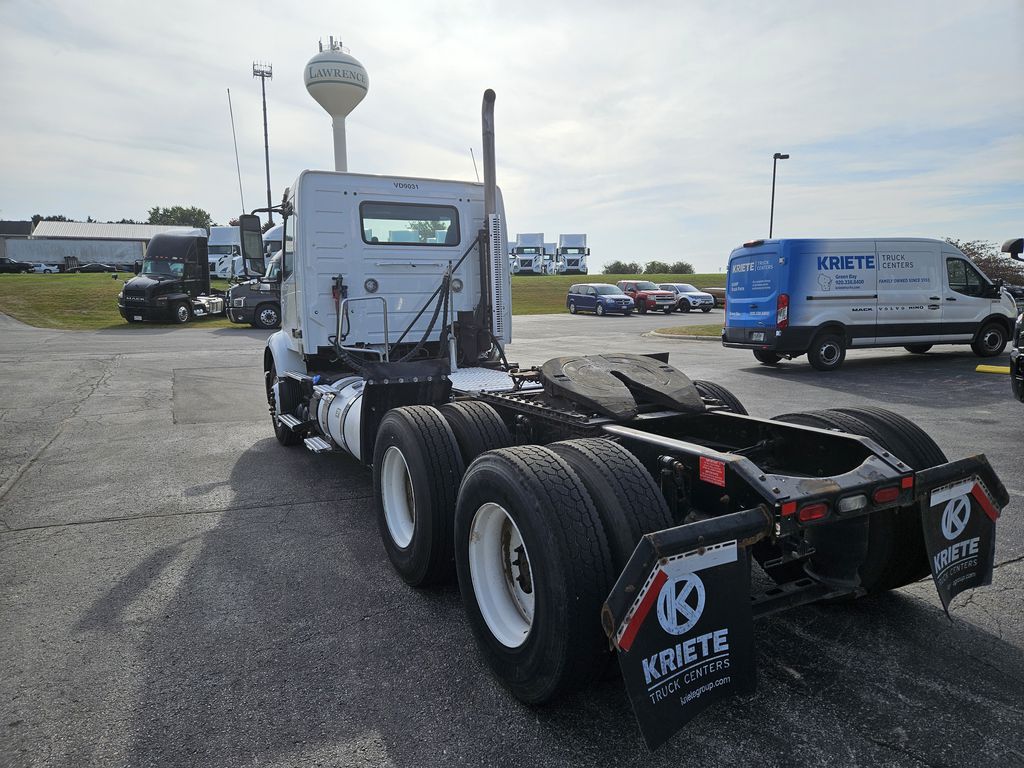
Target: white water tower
(338, 82)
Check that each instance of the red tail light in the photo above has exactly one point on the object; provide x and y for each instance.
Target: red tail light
(907, 481)
(886, 494)
(809, 512)
(782, 312)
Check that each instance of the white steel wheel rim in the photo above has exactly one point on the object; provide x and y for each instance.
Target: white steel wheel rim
(268, 317)
(398, 497)
(991, 339)
(499, 567)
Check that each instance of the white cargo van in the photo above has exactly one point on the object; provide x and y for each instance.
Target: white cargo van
(786, 298)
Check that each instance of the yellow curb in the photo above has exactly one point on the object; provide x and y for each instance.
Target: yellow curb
(992, 369)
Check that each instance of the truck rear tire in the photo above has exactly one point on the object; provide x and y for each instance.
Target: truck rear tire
(477, 427)
(827, 352)
(766, 357)
(181, 313)
(417, 469)
(990, 341)
(628, 500)
(717, 392)
(267, 316)
(896, 554)
(534, 569)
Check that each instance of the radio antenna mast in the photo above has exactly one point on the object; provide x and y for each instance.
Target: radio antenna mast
(474, 165)
(234, 138)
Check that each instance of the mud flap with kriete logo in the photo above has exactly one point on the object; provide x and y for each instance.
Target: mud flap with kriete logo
(959, 523)
(687, 640)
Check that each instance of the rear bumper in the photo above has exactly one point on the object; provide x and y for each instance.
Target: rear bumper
(792, 340)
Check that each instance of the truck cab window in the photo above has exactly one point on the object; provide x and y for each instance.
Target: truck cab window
(409, 224)
(964, 278)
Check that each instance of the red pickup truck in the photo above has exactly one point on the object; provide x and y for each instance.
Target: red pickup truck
(646, 295)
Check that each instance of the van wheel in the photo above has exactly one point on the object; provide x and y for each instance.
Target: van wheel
(572, 307)
(917, 349)
(417, 469)
(827, 352)
(990, 341)
(713, 391)
(766, 357)
(534, 569)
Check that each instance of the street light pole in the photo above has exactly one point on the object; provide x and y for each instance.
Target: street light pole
(775, 160)
(263, 71)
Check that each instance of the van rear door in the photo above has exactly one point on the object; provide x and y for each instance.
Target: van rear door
(755, 279)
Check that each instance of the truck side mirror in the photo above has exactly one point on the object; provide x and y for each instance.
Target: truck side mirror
(137, 267)
(1014, 247)
(251, 235)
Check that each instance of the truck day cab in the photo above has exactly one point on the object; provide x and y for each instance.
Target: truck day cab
(571, 256)
(592, 502)
(786, 298)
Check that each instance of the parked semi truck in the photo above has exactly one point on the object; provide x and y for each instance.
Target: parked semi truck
(595, 506)
(173, 282)
(571, 256)
(257, 301)
(224, 250)
(528, 254)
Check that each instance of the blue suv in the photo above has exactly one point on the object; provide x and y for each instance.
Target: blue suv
(600, 298)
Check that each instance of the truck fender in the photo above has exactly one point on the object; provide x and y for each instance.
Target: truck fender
(279, 355)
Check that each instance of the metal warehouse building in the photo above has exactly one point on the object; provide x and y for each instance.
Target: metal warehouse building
(115, 244)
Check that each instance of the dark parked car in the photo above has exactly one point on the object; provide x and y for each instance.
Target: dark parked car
(10, 265)
(96, 268)
(599, 298)
(1017, 360)
(688, 297)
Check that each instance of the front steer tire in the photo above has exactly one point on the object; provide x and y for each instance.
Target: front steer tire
(535, 616)
(285, 436)
(417, 468)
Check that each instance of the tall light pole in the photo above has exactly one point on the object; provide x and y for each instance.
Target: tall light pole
(775, 161)
(263, 71)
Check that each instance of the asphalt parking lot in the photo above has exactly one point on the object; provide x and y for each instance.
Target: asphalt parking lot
(176, 589)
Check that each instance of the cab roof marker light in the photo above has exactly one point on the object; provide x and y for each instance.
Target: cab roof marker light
(753, 243)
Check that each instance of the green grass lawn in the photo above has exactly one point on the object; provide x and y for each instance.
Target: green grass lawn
(78, 302)
(713, 330)
(89, 302)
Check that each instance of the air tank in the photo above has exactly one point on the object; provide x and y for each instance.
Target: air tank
(338, 82)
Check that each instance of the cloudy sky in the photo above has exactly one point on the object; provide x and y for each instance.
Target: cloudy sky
(649, 125)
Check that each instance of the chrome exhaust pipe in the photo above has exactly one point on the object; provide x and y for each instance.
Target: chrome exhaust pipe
(490, 185)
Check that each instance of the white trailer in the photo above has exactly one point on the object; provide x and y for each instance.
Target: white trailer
(600, 492)
(528, 254)
(571, 256)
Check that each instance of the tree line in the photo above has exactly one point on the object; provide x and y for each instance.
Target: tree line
(650, 268)
(175, 215)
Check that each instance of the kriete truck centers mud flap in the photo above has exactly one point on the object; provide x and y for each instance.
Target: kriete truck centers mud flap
(680, 614)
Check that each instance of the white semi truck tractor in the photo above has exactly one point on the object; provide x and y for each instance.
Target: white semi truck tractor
(571, 256)
(528, 254)
(594, 505)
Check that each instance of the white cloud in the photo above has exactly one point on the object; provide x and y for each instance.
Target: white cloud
(648, 125)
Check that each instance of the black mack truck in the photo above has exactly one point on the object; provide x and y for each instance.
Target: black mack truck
(172, 284)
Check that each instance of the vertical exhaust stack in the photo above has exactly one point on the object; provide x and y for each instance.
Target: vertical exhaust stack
(490, 207)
